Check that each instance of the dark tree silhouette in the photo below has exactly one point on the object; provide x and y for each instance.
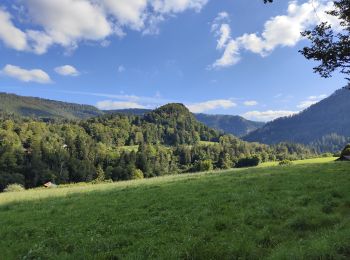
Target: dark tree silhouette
(330, 48)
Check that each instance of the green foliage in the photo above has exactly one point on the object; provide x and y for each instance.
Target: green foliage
(100, 175)
(298, 212)
(14, 188)
(330, 46)
(204, 165)
(248, 162)
(346, 151)
(137, 174)
(285, 162)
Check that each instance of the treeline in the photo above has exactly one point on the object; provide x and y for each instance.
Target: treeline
(119, 147)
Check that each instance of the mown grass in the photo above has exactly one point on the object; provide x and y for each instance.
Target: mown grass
(292, 212)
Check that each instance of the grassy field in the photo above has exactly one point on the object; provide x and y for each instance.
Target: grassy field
(307, 161)
(291, 212)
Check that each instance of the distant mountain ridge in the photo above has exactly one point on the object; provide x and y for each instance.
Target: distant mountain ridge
(45, 108)
(236, 125)
(327, 121)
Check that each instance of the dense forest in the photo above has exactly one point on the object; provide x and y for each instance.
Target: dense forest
(324, 126)
(168, 140)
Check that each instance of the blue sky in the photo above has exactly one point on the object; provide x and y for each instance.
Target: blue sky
(217, 57)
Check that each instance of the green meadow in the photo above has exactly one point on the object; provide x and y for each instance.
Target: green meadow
(301, 211)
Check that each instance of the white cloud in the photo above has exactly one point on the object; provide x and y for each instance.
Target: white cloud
(67, 70)
(267, 115)
(177, 6)
(9, 34)
(127, 12)
(305, 104)
(311, 101)
(250, 103)
(282, 30)
(221, 30)
(211, 105)
(318, 97)
(121, 68)
(35, 75)
(39, 41)
(69, 22)
(230, 57)
(110, 105)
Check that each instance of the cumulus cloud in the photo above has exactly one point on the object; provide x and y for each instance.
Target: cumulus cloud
(211, 105)
(67, 70)
(34, 75)
(250, 103)
(279, 31)
(68, 22)
(177, 6)
(10, 34)
(269, 115)
(110, 105)
(311, 101)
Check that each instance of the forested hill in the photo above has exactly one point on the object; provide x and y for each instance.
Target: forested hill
(228, 124)
(171, 124)
(325, 125)
(44, 108)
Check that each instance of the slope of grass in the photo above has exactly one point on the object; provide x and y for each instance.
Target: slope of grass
(292, 212)
(306, 161)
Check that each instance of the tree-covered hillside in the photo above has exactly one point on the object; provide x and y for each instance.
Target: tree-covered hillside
(324, 125)
(229, 124)
(44, 108)
(117, 147)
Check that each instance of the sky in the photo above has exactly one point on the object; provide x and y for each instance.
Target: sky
(216, 57)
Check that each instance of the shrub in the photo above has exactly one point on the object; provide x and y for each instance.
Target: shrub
(337, 154)
(285, 162)
(346, 151)
(248, 162)
(204, 165)
(137, 174)
(14, 188)
(100, 175)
